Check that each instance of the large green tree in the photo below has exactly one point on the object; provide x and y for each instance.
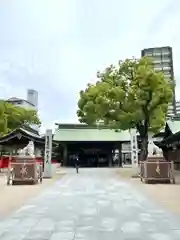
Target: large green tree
(129, 95)
(12, 117)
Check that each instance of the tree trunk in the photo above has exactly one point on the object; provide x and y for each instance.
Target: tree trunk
(144, 147)
(143, 131)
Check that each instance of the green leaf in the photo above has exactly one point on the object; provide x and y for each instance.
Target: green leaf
(12, 117)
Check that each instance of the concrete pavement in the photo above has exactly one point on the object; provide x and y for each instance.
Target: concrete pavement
(91, 205)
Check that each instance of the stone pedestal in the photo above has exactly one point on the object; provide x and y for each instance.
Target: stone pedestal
(25, 169)
(156, 169)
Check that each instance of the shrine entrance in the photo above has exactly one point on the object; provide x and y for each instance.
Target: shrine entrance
(89, 154)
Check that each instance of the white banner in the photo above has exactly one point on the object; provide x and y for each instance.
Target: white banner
(134, 148)
(47, 154)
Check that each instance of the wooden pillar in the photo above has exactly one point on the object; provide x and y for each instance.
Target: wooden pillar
(110, 160)
(65, 154)
(110, 157)
(120, 155)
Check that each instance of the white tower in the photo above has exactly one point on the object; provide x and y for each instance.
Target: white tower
(32, 97)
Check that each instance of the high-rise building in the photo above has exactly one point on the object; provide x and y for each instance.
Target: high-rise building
(32, 97)
(176, 117)
(162, 58)
(178, 107)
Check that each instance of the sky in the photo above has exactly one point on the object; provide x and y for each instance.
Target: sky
(57, 46)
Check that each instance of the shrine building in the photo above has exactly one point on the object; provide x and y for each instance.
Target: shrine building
(95, 147)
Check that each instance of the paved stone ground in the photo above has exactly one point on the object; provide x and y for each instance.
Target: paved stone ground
(22, 193)
(89, 206)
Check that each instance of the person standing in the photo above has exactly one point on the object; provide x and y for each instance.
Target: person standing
(77, 164)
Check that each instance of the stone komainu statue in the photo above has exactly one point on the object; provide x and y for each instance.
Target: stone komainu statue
(154, 150)
(28, 150)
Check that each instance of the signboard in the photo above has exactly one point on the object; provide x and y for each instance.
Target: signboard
(47, 154)
(126, 147)
(134, 148)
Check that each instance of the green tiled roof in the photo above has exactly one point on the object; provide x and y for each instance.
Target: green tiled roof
(174, 126)
(82, 133)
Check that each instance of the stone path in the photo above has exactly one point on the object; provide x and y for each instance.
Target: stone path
(93, 205)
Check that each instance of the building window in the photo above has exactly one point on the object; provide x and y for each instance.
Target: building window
(166, 72)
(170, 107)
(158, 65)
(166, 64)
(158, 69)
(148, 54)
(156, 53)
(166, 59)
(157, 60)
(167, 76)
(18, 102)
(165, 52)
(166, 68)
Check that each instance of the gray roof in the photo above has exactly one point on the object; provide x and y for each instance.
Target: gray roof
(83, 132)
(15, 99)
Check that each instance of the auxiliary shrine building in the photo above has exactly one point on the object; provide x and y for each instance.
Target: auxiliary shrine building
(94, 147)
